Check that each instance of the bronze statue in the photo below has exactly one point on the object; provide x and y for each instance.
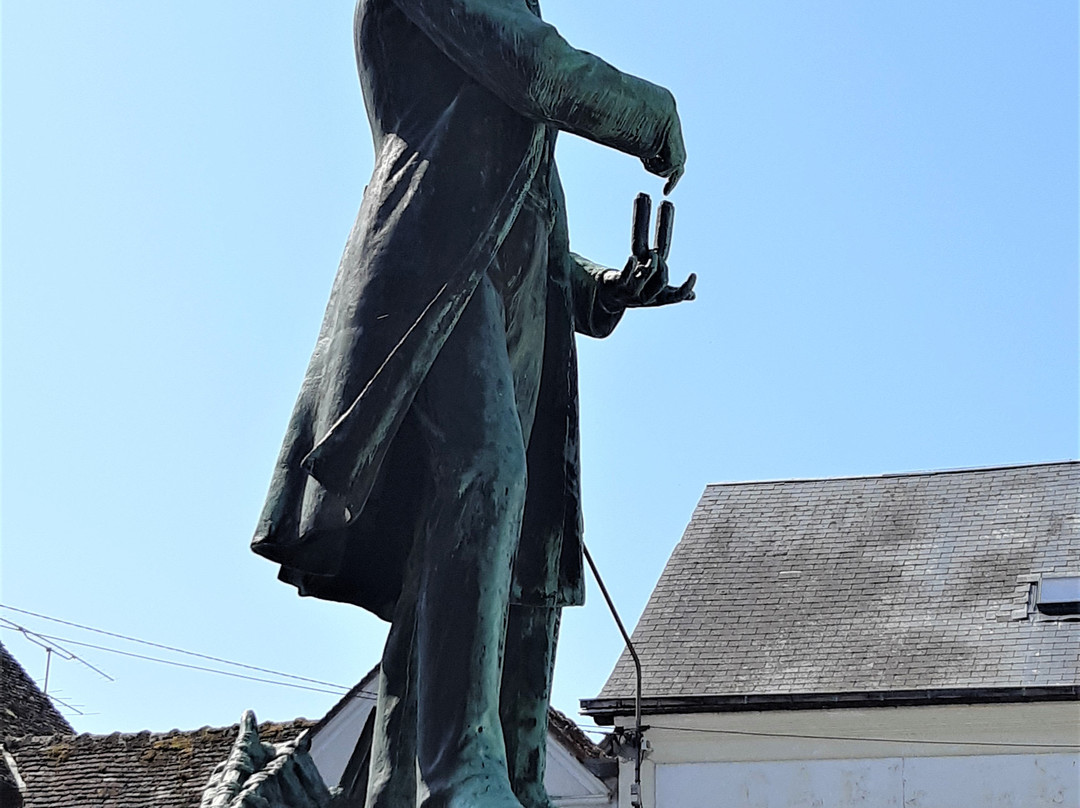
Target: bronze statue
(430, 469)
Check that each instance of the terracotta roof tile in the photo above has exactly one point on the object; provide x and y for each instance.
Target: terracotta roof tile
(141, 770)
(571, 737)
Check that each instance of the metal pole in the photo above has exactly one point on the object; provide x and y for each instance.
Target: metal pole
(635, 790)
(48, 664)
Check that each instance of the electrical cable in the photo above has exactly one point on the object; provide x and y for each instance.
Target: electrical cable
(189, 667)
(49, 645)
(51, 640)
(1022, 744)
(171, 648)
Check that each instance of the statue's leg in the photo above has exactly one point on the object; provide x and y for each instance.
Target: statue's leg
(531, 630)
(467, 408)
(392, 774)
(531, 634)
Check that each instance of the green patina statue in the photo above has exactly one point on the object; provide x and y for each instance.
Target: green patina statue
(257, 774)
(430, 470)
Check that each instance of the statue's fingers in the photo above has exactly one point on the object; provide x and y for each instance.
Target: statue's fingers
(686, 291)
(643, 273)
(665, 226)
(656, 284)
(639, 240)
(673, 180)
(676, 294)
(668, 297)
(247, 747)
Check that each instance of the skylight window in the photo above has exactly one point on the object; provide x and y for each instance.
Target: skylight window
(1059, 596)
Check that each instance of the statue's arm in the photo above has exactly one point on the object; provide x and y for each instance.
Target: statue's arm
(600, 295)
(585, 277)
(591, 317)
(525, 62)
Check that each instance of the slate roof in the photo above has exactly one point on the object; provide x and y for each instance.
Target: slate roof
(24, 709)
(914, 582)
(143, 770)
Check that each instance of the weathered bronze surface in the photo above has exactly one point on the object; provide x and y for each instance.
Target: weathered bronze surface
(266, 775)
(430, 470)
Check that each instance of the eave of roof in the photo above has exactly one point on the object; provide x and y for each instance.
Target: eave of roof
(605, 710)
(367, 684)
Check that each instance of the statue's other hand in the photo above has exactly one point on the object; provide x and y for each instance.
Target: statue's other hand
(642, 284)
(265, 774)
(670, 162)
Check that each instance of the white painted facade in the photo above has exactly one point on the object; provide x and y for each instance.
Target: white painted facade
(977, 756)
(571, 785)
(333, 743)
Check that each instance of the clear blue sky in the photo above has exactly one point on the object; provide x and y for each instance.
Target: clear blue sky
(880, 203)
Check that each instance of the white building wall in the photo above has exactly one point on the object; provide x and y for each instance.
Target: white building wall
(985, 756)
(984, 781)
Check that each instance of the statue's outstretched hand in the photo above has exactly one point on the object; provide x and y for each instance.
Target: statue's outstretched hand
(670, 162)
(644, 279)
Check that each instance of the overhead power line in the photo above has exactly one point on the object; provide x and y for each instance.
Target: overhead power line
(319, 685)
(340, 689)
(170, 648)
(935, 741)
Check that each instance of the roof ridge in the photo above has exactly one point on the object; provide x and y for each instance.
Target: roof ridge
(368, 679)
(895, 474)
(305, 723)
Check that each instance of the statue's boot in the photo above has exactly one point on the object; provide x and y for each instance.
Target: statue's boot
(531, 635)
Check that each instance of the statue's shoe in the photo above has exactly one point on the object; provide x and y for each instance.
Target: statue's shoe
(541, 800)
(481, 791)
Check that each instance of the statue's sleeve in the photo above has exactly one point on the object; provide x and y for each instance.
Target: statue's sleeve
(590, 317)
(582, 275)
(525, 62)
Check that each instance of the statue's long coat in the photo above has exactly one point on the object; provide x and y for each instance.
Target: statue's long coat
(464, 99)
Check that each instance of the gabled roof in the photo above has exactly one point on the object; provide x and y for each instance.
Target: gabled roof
(569, 734)
(366, 688)
(24, 709)
(914, 585)
(143, 770)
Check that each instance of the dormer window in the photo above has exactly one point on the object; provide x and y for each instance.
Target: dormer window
(1059, 595)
